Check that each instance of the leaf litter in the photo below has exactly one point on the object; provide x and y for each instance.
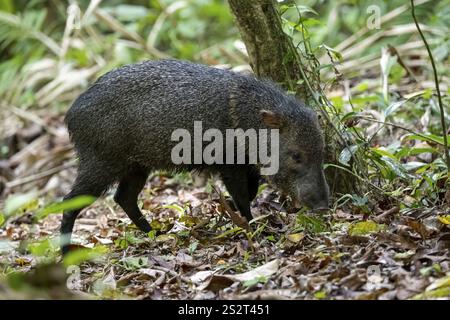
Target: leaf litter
(202, 248)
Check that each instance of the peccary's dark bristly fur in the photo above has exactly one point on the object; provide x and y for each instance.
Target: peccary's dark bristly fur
(122, 125)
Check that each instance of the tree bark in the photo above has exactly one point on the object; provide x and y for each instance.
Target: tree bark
(270, 50)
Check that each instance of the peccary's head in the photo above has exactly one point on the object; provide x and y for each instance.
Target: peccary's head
(301, 152)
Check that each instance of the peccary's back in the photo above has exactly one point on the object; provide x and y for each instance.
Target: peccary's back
(130, 113)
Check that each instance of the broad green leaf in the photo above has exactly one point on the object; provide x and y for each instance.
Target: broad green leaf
(364, 100)
(320, 295)
(413, 165)
(413, 151)
(365, 227)
(78, 256)
(363, 86)
(261, 188)
(445, 219)
(310, 224)
(71, 204)
(41, 248)
(440, 288)
(16, 202)
(295, 237)
(156, 225)
(303, 9)
(166, 237)
(383, 152)
(174, 207)
(427, 137)
(256, 280)
(396, 167)
(134, 263)
(393, 107)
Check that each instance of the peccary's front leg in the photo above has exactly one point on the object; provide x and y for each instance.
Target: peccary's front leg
(236, 182)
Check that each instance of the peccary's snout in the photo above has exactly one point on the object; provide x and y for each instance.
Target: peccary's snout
(313, 190)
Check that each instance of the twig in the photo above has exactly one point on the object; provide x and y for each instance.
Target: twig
(393, 51)
(33, 118)
(436, 81)
(114, 24)
(40, 175)
(392, 125)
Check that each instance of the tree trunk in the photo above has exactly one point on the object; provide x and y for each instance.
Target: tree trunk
(270, 50)
(273, 55)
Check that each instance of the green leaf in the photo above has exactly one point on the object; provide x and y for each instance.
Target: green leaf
(295, 237)
(440, 288)
(383, 152)
(78, 256)
(427, 137)
(304, 9)
(413, 165)
(365, 227)
(311, 224)
(393, 107)
(152, 234)
(16, 202)
(261, 188)
(41, 248)
(134, 263)
(71, 204)
(174, 207)
(334, 52)
(232, 231)
(256, 280)
(2, 219)
(7, 5)
(320, 295)
(396, 167)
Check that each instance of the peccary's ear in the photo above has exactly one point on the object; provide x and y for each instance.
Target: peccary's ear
(271, 119)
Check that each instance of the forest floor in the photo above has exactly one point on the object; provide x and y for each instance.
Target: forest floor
(198, 251)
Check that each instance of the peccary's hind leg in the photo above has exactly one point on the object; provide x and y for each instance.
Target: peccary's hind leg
(127, 195)
(253, 178)
(89, 183)
(236, 182)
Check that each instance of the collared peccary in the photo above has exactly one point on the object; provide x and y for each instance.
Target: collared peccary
(122, 126)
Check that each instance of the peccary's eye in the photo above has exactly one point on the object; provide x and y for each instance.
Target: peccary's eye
(296, 157)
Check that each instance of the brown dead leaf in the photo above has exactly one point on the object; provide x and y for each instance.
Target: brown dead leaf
(237, 219)
(447, 197)
(353, 281)
(419, 227)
